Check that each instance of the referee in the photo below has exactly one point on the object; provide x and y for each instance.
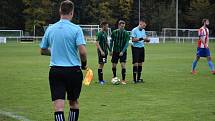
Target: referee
(67, 45)
(119, 43)
(138, 35)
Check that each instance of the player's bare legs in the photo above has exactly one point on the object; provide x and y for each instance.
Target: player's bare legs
(114, 69)
(59, 109)
(74, 110)
(59, 105)
(74, 104)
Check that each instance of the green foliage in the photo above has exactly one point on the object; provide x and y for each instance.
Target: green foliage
(105, 12)
(36, 12)
(11, 14)
(89, 12)
(196, 12)
(24, 14)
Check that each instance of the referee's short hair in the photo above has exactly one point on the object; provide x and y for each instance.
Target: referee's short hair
(66, 7)
(142, 20)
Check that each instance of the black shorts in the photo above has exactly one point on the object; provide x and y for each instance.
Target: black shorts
(138, 54)
(116, 57)
(65, 80)
(101, 59)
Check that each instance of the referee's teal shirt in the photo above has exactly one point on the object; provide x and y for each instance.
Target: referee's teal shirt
(63, 39)
(137, 33)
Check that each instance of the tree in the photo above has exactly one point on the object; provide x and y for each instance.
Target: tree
(36, 13)
(11, 14)
(104, 12)
(88, 12)
(196, 12)
(121, 9)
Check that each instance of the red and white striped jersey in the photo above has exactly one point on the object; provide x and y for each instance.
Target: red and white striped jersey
(203, 37)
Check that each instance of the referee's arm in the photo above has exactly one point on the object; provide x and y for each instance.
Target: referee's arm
(44, 45)
(83, 56)
(45, 51)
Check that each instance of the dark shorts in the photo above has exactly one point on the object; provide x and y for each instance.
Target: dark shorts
(65, 80)
(116, 57)
(101, 59)
(138, 54)
(203, 52)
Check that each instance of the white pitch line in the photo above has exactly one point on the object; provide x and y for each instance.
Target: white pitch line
(12, 115)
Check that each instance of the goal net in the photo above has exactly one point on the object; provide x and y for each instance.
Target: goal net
(11, 35)
(169, 34)
(89, 31)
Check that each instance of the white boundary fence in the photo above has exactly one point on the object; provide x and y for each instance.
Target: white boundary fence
(183, 39)
(161, 39)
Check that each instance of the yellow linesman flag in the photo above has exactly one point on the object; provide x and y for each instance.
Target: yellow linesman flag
(88, 77)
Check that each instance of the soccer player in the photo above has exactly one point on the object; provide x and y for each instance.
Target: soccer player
(102, 49)
(138, 35)
(203, 49)
(119, 44)
(67, 45)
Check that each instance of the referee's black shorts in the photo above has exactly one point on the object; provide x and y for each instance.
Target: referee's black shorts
(65, 80)
(138, 54)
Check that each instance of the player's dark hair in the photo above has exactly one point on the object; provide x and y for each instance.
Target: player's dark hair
(66, 7)
(204, 20)
(103, 23)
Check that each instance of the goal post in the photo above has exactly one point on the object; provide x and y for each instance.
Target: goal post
(91, 30)
(12, 35)
(183, 35)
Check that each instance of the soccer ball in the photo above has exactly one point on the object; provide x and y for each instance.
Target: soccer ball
(115, 81)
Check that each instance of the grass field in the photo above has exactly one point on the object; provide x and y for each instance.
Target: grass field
(170, 92)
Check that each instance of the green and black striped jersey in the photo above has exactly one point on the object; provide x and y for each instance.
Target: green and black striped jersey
(101, 37)
(119, 40)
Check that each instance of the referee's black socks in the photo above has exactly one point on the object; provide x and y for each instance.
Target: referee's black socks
(59, 116)
(135, 74)
(73, 114)
(139, 72)
(100, 74)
